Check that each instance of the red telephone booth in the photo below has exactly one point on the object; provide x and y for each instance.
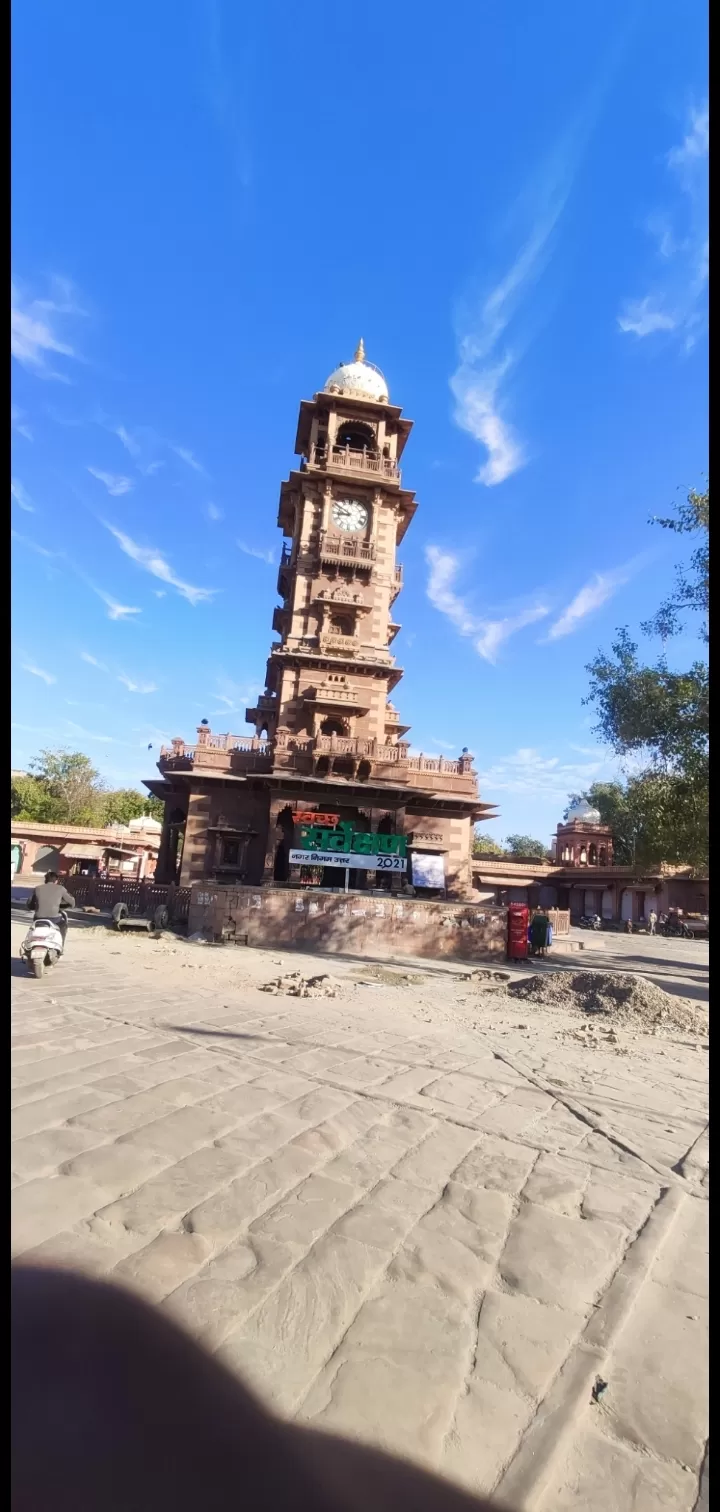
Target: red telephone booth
(517, 941)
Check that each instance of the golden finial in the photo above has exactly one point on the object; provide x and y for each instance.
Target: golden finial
(360, 353)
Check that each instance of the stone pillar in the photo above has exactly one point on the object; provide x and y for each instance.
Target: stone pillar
(162, 863)
(276, 807)
(194, 863)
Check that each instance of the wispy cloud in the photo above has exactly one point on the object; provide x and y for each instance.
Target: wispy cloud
(593, 594)
(678, 299)
(46, 677)
(225, 93)
(77, 729)
(489, 344)
(92, 661)
(488, 634)
(35, 546)
(21, 496)
(34, 335)
(234, 697)
(528, 771)
(495, 632)
(115, 610)
(129, 442)
(186, 456)
(643, 317)
(17, 421)
(254, 551)
(213, 513)
(115, 483)
(137, 687)
(152, 561)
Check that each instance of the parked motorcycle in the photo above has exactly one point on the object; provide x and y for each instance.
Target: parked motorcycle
(591, 921)
(42, 946)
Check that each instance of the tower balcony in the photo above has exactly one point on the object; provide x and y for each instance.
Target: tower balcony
(219, 753)
(266, 706)
(283, 577)
(337, 696)
(350, 551)
(280, 619)
(344, 459)
(354, 756)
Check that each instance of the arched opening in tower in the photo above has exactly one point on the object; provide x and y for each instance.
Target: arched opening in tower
(333, 726)
(356, 436)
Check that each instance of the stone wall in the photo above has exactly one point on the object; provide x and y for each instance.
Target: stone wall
(352, 923)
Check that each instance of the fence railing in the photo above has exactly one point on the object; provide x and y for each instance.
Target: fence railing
(141, 897)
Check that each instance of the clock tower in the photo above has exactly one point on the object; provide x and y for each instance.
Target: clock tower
(344, 512)
(328, 744)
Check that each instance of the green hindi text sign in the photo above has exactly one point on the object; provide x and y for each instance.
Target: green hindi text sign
(346, 840)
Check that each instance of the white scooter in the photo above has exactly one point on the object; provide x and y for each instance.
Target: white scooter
(42, 946)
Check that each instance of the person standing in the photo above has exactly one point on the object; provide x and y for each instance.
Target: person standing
(652, 921)
(539, 933)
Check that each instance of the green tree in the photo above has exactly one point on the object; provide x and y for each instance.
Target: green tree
(524, 845)
(663, 716)
(73, 783)
(31, 800)
(123, 804)
(692, 592)
(484, 845)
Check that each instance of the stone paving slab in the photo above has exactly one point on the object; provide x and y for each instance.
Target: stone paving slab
(394, 1221)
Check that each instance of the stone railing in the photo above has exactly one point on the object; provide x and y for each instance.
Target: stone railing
(220, 752)
(301, 753)
(354, 461)
(340, 549)
(331, 692)
(347, 645)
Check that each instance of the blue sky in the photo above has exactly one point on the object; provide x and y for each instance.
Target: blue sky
(211, 203)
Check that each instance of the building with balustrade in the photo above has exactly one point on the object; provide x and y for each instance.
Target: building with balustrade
(582, 878)
(329, 746)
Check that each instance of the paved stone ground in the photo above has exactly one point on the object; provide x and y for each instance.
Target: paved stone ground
(405, 1213)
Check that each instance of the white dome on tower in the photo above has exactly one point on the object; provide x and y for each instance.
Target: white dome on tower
(359, 378)
(584, 812)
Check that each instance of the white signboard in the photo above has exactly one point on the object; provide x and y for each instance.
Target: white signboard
(349, 859)
(428, 870)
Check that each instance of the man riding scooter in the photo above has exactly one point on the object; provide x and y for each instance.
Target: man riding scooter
(49, 900)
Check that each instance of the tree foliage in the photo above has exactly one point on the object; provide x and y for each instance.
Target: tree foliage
(650, 709)
(124, 804)
(63, 787)
(692, 591)
(484, 845)
(656, 816)
(524, 845)
(662, 717)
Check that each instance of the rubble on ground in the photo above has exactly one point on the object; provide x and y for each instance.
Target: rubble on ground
(631, 1001)
(484, 976)
(294, 984)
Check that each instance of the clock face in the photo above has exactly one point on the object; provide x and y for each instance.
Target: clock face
(349, 514)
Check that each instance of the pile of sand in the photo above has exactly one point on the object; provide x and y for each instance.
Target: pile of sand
(296, 985)
(629, 1000)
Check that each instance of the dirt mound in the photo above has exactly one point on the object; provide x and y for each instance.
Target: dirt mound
(629, 1000)
(296, 985)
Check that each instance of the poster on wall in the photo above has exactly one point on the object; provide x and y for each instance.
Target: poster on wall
(428, 869)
